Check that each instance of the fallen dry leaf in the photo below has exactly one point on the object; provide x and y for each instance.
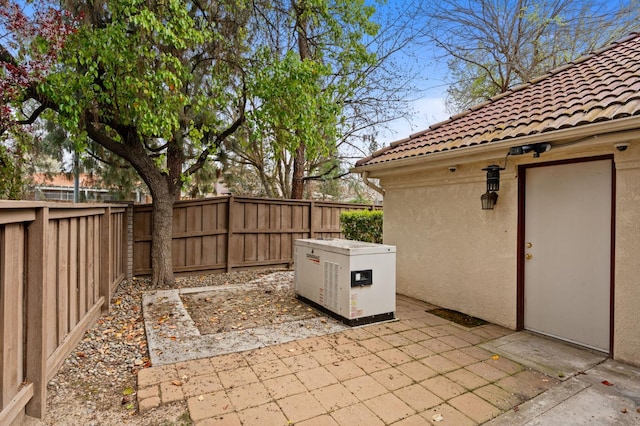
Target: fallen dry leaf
(176, 383)
(495, 357)
(623, 411)
(606, 383)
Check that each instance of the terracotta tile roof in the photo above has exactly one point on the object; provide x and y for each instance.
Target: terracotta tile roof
(601, 86)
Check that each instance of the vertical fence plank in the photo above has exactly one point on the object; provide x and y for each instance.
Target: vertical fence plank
(11, 314)
(73, 273)
(62, 284)
(105, 247)
(229, 232)
(82, 266)
(37, 311)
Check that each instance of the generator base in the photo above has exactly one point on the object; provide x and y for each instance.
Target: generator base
(351, 322)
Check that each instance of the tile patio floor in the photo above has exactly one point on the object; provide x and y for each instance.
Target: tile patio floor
(419, 370)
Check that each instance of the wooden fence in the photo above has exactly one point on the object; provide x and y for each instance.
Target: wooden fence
(59, 265)
(227, 233)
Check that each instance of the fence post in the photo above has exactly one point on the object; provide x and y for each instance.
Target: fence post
(312, 206)
(106, 248)
(229, 232)
(37, 313)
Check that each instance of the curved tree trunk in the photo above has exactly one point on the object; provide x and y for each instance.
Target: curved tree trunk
(161, 246)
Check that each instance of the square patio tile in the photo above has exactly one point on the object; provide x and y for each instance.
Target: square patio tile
(248, 396)
(497, 396)
(477, 353)
(394, 356)
(389, 408)
(238, 377)
(416, 351)
(271, 369)
(379, 329)
(156, 375)
(459, 357)
(301, 362)
(454, 341)
(199, 385)
(334, 397)
(284, 386)
(504, 364)
(169, 392)
(415, 335)
(358, 334)
(474, 407)
(228, 419)
(364, 387)
(313, 344)
(316, 378)
(209, 405)
(466, 379)
(288, 349)
(396, 339)
(415, 420)
(486, 371)
(371, 363)
(323, 420)
(392, 378)
(352, 350)
(417, 371)
(356, 415)
(327, 356)
(344, 370)
(439, 363)
(436, 346)
(527, 383)
(443, 387)
(375, 344)
(258, 356)
(264, 415)
(300, 407)
(195, 367)
(417, 397)
(228, 362)
(449, 415)
(398, 326)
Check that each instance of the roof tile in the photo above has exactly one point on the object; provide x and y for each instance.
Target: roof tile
(602, 86)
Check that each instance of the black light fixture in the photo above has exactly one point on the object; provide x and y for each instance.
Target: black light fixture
(489, 200)
(536, 148)
(493, 177)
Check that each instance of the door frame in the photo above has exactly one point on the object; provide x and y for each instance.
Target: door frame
(520, 251)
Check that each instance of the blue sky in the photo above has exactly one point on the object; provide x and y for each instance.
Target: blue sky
(429, 104)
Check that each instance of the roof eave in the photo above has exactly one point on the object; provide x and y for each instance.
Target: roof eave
(497, 149)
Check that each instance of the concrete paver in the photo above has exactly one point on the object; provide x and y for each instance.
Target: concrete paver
(418, 370)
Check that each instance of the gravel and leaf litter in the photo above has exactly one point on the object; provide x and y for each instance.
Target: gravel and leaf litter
(96, 384)
(268, 301)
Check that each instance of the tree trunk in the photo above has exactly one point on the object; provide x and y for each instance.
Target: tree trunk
(297, 183)
(161, 246)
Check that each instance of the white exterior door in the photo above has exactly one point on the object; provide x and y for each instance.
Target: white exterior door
(567, 266)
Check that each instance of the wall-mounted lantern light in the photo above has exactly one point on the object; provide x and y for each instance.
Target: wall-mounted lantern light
(493, 177)
(489, 200)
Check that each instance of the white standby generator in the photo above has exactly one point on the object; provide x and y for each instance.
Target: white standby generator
(352, 280)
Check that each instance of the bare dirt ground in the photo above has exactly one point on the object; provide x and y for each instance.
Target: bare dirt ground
(271, 301)
(96, 384)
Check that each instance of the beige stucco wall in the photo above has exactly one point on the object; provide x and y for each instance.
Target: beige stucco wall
(453, 254)
(449, 251)
(626, 345)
